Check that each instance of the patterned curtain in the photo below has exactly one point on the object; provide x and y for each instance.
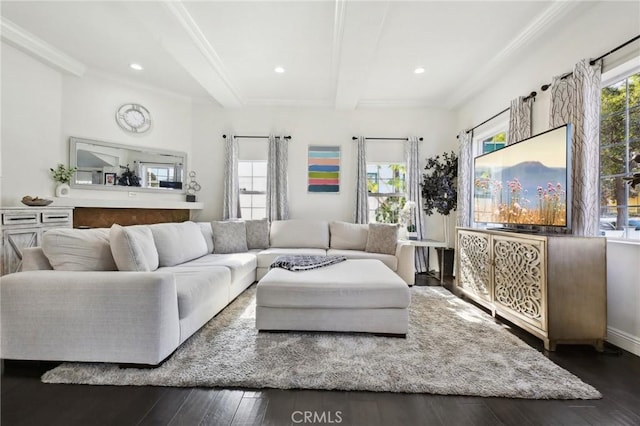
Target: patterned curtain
(465, 179)
(277, 180)
(414, 193)
(519, 120)
(231, 200)
(361, 213)
(575, 99)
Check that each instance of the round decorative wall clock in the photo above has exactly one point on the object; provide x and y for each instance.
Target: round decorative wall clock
(134, 118)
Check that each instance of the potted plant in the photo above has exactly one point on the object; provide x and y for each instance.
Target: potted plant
(62, 175)
(439, 187)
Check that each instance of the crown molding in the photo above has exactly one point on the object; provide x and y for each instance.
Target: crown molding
(36, 47)
(537, 27)
(232, 98)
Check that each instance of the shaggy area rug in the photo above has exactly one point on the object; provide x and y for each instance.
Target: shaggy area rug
(452, 348)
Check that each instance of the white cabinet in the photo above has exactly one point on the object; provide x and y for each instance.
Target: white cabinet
(552, 286)
(23, 228)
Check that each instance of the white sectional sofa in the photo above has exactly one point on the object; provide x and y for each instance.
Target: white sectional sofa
(134, 294)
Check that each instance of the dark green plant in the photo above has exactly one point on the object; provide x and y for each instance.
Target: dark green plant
(439, 184)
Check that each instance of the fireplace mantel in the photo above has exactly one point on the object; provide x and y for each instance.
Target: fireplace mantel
(135, 203)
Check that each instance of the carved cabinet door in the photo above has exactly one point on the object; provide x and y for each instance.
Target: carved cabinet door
(13, 242)
(519, 276)
(474, 260)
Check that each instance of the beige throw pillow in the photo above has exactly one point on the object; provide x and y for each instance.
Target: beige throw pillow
(78, 249)
(348, 236)
(133, 248)
(382, 238)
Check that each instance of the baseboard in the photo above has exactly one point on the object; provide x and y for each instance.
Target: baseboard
(624, 340)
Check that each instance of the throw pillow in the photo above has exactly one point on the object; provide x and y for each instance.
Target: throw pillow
(348, 236)
(229, 237)
(178, 242)
(257, 234)
(78, 249)
(133, 248)
(382, 238)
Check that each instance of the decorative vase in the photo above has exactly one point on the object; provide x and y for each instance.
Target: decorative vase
(62, 190)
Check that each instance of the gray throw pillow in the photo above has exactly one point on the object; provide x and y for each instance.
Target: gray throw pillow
(229, 237)
(382, 238)
(257, 234)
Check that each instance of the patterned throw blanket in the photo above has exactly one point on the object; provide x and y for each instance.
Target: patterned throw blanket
(305, 263)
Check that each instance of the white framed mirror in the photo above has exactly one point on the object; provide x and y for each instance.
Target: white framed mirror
(118, 167)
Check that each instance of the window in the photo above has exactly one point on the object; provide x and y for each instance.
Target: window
(253, 189)
(619, 144)
(494, 142)
(154, 174)
(386, 186)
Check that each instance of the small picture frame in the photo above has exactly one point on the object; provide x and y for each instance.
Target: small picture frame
(109, 178)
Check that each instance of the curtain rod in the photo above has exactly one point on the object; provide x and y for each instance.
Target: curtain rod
(355, 138)
(256, 137)
(593, 61)
(532, 95)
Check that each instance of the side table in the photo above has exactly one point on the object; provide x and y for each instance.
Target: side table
(430, 243)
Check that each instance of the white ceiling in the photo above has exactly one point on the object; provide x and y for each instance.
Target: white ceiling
(342, 54)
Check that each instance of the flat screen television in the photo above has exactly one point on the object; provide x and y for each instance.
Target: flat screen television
(527, 184)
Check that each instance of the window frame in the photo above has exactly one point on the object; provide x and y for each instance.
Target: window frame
(383, 195)
(252, 192)
(618, 74)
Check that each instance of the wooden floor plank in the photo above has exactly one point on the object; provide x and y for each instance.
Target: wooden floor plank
(250, 412)
(195, 407)
(280, 407)
(224, 409)
(166, 407)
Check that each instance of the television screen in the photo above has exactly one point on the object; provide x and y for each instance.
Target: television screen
(526, 183)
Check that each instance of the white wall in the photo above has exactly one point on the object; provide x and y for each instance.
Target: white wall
(595, 32)
(31, 126)
(42, 108)
(314, 126)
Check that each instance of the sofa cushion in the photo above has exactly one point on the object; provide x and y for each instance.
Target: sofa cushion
(388, 259)
(348, 236)
(382, 238)
(257, 234)
(229, 237)
(299, 234)
(266, 257)
(196, 287)
(240, 264)
(133, 248)
(78, 249)
(178, 242)
(207, 233)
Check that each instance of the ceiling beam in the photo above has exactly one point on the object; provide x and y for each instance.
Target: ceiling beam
(34, 46)
(357, 29)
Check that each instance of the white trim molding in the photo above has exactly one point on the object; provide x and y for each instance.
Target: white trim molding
(34, 46)
(624, 340)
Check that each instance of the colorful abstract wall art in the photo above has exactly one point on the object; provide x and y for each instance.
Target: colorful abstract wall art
(324, 169)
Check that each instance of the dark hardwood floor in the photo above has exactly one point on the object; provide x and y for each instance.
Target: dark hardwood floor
(615, 373)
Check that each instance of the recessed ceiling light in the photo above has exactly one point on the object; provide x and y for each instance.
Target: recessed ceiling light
(279, 70)
(419, 70)
(136, 67)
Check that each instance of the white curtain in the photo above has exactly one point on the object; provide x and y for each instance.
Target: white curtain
(277, 179)
(231, 197)
(465, 179)
(414, 193)
(361, 212)
(575, 99)
(519, 120)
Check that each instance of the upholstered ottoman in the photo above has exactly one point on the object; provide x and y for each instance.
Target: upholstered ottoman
(358, 295)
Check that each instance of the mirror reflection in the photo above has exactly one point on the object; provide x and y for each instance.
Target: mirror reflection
(105, 165)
